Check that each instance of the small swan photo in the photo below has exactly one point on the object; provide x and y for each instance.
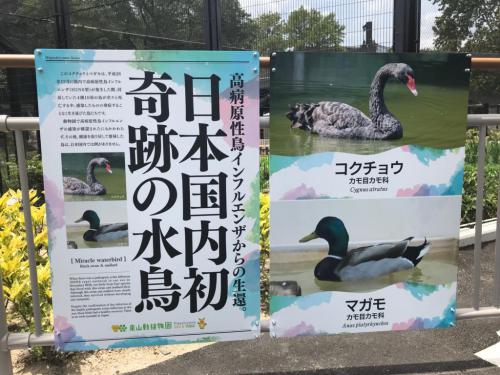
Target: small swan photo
(73, 185)
(93, 176)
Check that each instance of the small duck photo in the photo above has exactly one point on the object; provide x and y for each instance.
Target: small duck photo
(99, 227)
(98, 232)
(93, 176)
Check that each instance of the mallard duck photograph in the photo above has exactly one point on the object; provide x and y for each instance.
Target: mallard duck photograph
(364, 262)
(99, 227)
(100, 233)
(361, 245)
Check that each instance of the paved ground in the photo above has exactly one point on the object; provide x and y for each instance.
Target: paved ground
(444, 351)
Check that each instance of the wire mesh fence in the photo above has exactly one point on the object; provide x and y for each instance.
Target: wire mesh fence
(263, 25)
(293, 25)
(429, 12)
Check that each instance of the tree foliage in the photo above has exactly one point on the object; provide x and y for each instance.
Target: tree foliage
(128, 24)
(309, 29)
(304, 29)
(270, 34)
(470, 26)
(172, 24)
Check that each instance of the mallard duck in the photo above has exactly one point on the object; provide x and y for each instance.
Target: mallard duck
(364, 262)
(99, 232)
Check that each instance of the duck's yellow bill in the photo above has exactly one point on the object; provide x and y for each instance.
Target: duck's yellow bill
(309, 237)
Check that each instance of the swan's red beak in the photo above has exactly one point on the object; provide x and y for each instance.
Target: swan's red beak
(108, 168)
(411, 85)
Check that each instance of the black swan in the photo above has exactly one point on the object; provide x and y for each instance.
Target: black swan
(340, 120)
(75, 186)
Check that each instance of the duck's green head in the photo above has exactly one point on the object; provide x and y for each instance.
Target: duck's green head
(333, 230)
(91, 217)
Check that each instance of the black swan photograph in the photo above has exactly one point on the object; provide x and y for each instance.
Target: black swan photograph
(90, 186)
(340, 120)
(88, 176)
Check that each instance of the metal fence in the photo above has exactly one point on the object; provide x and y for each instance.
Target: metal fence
(18, 125)
(341, 25)
(264, 25)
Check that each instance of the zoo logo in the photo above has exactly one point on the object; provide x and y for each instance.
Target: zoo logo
(201, 323)
(118, 327)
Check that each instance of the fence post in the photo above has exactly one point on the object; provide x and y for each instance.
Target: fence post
(212, 25)
(481, 160)
(497, 252)
(5, 358)
(63, 26)
(23, 178)
(406, 26)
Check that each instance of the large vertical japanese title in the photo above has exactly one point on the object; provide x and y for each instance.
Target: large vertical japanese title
(200, 196)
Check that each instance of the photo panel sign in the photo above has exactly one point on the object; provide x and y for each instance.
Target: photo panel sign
(366, 170)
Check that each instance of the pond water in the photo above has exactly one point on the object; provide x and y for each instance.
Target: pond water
(75, 233)
(435, 118)
(437, 267)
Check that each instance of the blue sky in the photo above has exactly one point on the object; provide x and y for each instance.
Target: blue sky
(353, 14)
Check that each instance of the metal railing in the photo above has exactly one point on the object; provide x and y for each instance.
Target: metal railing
(9, 341)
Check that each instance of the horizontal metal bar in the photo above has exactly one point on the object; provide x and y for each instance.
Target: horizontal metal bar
(482, 312)
(17, 61)
(265, 61)
(485, 119)
(485, 63)
(8, 123)
(28, 61)
(30, 340)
